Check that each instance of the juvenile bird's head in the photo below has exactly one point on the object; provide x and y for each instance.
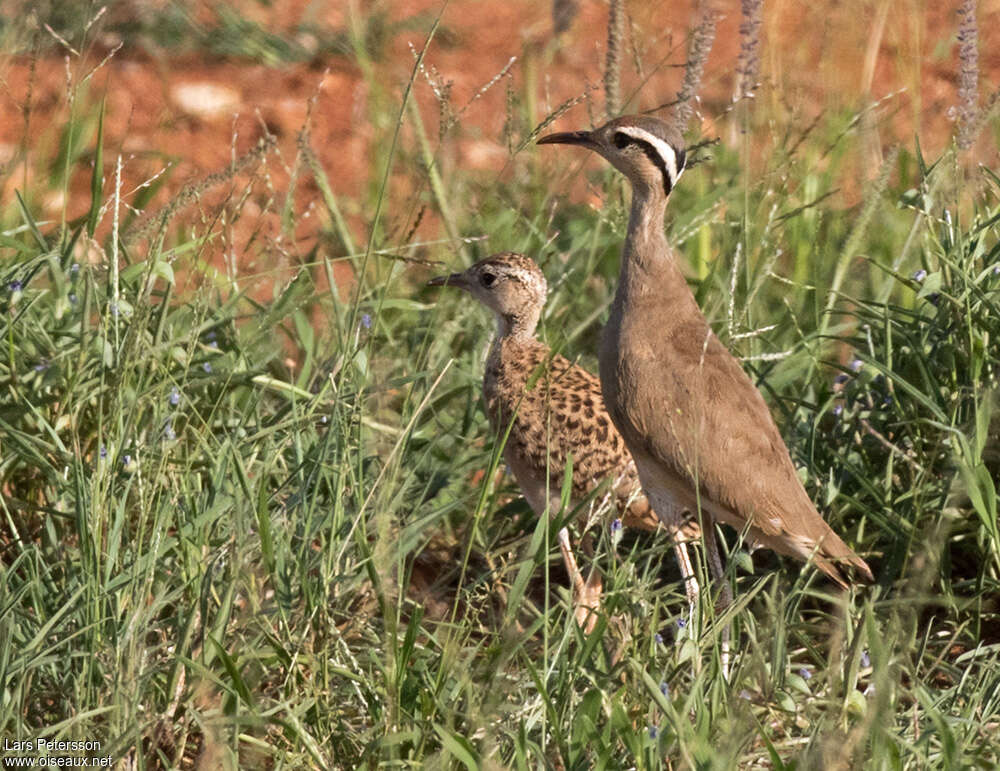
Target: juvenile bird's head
(509, 284)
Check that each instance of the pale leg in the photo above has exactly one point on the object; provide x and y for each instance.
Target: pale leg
(687, 569)
(587, 594)
(672, 519)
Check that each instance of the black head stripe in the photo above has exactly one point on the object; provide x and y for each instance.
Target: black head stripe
(622, 140)
(657, 160)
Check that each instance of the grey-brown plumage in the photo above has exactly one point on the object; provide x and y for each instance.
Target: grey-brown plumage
(700, 432)
(552, 407)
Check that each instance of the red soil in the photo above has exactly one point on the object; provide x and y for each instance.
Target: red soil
(846, 55)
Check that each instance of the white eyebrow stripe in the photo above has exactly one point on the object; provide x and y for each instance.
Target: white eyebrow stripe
(667, 153)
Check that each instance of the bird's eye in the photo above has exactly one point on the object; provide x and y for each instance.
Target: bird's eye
(488, 279)
(621, 140)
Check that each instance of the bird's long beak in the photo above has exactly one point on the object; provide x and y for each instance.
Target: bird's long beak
(585, 138)
(455, 279)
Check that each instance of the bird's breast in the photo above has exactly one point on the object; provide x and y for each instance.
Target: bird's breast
(625, 361)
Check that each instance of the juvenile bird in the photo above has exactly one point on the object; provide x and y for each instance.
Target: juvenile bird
(554, 410)
(699, 430)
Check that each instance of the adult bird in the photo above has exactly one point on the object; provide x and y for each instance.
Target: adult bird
(700, 432)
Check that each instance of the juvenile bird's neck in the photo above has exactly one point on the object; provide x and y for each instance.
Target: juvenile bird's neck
(519, 326)
(513, 328)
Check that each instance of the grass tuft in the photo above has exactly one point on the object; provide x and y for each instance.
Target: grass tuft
(255, 517)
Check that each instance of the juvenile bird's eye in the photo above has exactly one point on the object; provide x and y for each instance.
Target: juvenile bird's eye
(487, 279)
(621, 139)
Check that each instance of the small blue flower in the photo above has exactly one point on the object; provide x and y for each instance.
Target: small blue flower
(74, 268)
(42, 365)
(168, 432)
(865, 659)
(805, 674)
(996, 270)
(838, 408)
(210, 335)
(616, 525)
(72, 299)
(114, 309)
(856, 365)
(681, 623)
(653, 732)
(207, 367)
(126, 460)
(840, 379)
(665, 689)
(658, 638)
(175, 396)
(15, 286)
(213, 343)
(366, 321)
(745, 695)
(104, 452)
(920, 275)
(323, 420)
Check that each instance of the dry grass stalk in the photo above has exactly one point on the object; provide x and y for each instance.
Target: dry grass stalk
(968, 74)
(192, 192)
(748, 63)
(702, 39)
(612, 65)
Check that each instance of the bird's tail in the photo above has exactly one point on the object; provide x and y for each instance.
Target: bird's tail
(833, 555)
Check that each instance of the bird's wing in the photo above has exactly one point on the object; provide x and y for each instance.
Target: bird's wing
(575, 421)
(708, 423)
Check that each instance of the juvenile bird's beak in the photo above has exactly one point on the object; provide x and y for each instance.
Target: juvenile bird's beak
(585, 138)
(455, 279)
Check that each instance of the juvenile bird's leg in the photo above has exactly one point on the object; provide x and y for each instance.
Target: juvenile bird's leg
(587, 594)
(594, 587)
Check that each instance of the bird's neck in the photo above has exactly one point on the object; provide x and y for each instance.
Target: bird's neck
(512, 330)
(518, 327)
(648, 263)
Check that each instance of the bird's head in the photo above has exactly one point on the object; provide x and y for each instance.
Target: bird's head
(647, 150)
(509, 284)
